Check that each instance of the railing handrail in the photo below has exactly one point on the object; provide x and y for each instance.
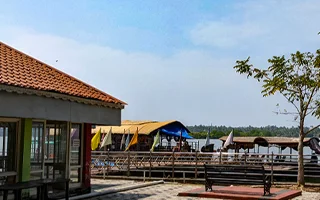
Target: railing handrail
(199, 153)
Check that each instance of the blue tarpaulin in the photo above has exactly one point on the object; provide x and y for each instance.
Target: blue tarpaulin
(174, 130)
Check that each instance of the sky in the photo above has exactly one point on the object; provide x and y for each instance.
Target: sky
(168, 59)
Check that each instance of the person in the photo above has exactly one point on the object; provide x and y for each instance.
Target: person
(186, 146)
(314, 158)
(176, 148)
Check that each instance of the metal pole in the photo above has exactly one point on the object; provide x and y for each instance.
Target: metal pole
(220, 156)
(180, 141)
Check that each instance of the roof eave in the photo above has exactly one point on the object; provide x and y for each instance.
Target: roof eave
(47, 94)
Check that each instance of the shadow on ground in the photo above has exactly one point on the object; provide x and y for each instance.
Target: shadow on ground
(121, 196)
(101, 186)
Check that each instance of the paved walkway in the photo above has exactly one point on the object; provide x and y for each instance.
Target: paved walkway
(166, 191)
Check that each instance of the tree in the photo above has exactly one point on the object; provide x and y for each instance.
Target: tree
(298, 80)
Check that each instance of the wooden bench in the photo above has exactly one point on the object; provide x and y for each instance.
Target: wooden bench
(236, 175)
(46, 182)
(18, 187)
(41, 185)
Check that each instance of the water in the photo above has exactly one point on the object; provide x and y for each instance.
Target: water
(263, 150)
(218, 143)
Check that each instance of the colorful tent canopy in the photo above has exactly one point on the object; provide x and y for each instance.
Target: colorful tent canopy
(170, 128)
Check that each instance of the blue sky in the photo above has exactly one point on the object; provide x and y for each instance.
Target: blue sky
(168, 59)
(152, 26)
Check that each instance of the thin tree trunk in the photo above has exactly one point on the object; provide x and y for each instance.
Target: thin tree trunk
(300, 161)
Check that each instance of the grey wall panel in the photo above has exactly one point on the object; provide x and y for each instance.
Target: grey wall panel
(30, 106)
(80, 112)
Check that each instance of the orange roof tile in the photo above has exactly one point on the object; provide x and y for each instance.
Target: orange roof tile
(21, 70)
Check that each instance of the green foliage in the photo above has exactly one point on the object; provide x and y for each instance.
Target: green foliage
(215, 134)
(296, 78)
(200, 131)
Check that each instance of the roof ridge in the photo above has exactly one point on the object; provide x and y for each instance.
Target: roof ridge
(63, 73)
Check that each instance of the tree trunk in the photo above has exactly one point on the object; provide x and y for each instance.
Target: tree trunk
(300, 161)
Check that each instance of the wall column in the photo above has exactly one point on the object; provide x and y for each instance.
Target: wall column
(25, 149)
(25, 153)
(86, 176)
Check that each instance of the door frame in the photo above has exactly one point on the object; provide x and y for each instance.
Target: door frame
(17, 146)
(80, 166)
(42, 148)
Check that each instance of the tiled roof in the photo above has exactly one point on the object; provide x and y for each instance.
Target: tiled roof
(20, 70)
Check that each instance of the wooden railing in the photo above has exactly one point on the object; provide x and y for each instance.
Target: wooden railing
(189, 166)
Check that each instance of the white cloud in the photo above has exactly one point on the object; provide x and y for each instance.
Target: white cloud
(192, 86)
(264, 27)
(225, 34)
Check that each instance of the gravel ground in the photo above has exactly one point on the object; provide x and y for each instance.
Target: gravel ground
(166, 191)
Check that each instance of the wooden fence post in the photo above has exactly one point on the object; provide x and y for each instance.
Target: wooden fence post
(104, 172)
(109, 163)
(272, 168)
(196, 169)
(245, 157)
(173, 165)
(128, 172)
(150, 165)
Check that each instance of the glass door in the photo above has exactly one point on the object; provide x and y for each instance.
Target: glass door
(37, 151)
(55, 149)
(75, 153)
(8, 144)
